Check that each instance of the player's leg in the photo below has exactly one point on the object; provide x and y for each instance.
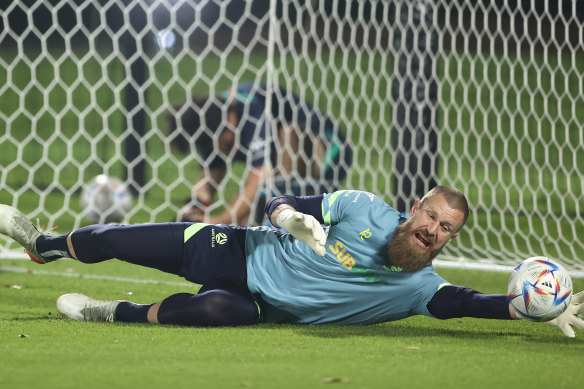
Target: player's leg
(154, 245)
(159, 246)
(216, 307)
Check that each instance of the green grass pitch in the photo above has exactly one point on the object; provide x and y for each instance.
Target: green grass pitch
(39, 348)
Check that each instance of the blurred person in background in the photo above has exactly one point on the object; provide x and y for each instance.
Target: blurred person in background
(283, 139)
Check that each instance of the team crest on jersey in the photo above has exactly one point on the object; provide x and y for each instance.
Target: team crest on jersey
(219, 238)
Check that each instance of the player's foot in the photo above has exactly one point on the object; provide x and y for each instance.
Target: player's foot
(83, 308)
(17, 226)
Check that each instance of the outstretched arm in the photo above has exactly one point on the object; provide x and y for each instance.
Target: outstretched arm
(456, 301)
(453, 301)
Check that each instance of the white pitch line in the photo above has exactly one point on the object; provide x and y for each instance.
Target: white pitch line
(14, 269)
(489, 267)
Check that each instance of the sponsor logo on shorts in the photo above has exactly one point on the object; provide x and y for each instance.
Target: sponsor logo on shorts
(218, 238)
(221, 238)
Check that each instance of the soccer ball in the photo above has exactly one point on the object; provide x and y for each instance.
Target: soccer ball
(105, 199)
(540, 289)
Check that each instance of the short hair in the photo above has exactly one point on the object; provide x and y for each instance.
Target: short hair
(198, 118)
(454, 198)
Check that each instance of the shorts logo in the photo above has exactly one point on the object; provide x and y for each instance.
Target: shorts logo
(221, 238)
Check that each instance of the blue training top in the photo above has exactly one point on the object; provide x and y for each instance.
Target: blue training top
(353, 283)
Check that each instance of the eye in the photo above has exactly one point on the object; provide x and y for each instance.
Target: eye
(445, 228)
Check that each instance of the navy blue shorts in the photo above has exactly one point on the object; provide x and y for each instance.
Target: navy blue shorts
(214, 256)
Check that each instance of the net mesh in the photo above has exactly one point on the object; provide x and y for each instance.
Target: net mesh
(483, 96)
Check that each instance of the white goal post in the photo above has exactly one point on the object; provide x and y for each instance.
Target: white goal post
(486, 96)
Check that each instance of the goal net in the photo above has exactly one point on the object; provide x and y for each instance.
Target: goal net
(485, 96)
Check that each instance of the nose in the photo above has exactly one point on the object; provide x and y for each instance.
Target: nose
(432, 229)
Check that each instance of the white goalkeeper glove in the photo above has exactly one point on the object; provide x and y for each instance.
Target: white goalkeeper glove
(569, 318)
(304, 228)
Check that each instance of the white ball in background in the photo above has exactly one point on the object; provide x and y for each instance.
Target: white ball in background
(105, 199)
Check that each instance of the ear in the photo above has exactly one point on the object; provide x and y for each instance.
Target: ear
(415, 207)
(453, 236)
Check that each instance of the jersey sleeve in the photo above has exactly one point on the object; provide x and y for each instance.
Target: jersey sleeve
(309, 205)
(456, 301)
(344, 203)
(428, 284)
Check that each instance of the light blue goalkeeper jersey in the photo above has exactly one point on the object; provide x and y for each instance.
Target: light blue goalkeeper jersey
(354, 283)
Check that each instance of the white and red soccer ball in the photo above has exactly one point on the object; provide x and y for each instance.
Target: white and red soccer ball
(540, 289)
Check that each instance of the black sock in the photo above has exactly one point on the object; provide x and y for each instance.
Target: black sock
(53, 247)
(132, 313)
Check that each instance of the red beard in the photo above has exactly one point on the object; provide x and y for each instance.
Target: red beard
(402, 254)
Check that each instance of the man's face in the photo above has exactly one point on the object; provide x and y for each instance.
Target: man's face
(420, 239)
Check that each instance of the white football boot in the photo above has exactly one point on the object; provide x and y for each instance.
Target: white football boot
(17, 226)
(83, 308)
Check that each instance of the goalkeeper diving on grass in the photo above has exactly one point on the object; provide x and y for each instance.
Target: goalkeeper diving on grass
(367, 265)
